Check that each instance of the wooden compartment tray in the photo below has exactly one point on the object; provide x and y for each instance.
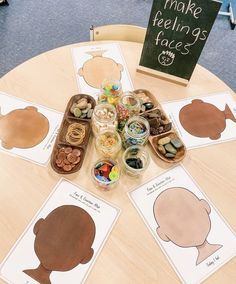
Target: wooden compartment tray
(160, 127)
(69, 150)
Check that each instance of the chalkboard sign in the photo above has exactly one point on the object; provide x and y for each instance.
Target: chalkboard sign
(176, 34)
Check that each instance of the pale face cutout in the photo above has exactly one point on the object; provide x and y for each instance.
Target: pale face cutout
(182, 217)
(99, 68)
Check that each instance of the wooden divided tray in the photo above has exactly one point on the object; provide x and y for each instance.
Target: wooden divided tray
(160, 127)
(72, 140)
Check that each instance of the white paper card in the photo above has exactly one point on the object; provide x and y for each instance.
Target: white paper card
(190, 231)
(15, 117)
(100, 61)
(213, 121)
(75, 224)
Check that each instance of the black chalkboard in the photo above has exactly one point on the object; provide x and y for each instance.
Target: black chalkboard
(176, 34)
(4, 2)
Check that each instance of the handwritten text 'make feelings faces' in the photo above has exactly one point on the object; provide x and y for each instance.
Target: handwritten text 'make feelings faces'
(183, 10)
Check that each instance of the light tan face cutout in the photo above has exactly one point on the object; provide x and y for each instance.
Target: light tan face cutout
(184, 220)
(23, 128)
(202, 119)
(99, 68)
(63, 240)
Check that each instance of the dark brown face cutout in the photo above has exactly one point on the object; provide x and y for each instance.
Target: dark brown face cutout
(202, 119)
(23, 128)
(63, 240)
(99, 68)
(184, 220)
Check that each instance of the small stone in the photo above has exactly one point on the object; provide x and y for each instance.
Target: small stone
(169, 155)
(176, 143)
(85, 110)
(169, 148)
(167, 127)
(164, 140)
(84, 115)
(89, 113)
(143, 108)
(161, 129)
(82, 104)
(149, 106)
(89, 105)
(161, 149)
(77, 112)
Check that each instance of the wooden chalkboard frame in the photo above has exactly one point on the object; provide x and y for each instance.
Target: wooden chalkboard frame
(182, 22)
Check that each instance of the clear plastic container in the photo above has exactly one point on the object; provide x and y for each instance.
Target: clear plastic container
(105, 174)
(108, 144)
(135, 132)
(104, 117)
(128, 106)
(135, 160)
(111, 91)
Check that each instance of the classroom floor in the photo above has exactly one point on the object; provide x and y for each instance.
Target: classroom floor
(28, 28)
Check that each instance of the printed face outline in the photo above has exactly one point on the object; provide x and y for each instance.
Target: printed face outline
(99, 68)
(184, 220)
(166, 58)
(63, 240)
(203, 119)
(180, 214)
(23, 128)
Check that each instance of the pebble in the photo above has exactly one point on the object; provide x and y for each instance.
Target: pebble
(89, 113)
(164, 140)
(143, 108)
(169, 148)
(148, 105)
(169, 155)
(77, 112)
(82, 103)
(176, 143)
(162, 149)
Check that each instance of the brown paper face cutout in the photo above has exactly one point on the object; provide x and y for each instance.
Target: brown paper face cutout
(184, 220)
(63, 240)
(99, 68)
(23, 128)
(202, 119)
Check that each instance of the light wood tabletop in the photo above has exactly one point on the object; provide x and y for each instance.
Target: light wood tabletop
(130, 255)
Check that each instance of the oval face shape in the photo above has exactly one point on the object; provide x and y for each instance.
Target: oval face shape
(182, 217)
(23, 128)
(202, 119)
(64, 238)
(99, 68)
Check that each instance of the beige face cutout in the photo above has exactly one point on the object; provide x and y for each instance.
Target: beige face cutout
(23, 128)
(63, 240)
(184, 220)
(202, 119)
(99, 68)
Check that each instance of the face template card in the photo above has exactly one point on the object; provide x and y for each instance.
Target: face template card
(187, 227)
(63, 240)
(27, 130)
(95, 63)
(204, 120)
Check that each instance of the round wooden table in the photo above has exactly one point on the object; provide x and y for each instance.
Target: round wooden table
(130, 255)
